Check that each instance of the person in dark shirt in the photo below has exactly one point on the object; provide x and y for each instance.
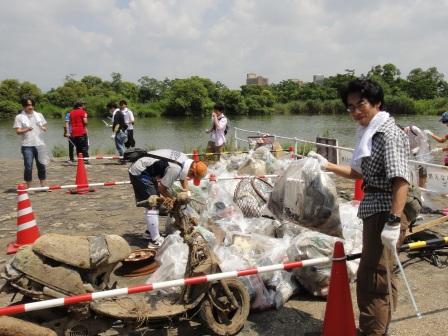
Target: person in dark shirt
(119, 129)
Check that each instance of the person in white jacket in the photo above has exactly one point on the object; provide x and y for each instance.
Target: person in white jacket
(218, 131)
(30, 124)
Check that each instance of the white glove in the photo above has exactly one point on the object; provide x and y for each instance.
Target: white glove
(428, 132)
(322, 161)
(113, 136)
(390, 235)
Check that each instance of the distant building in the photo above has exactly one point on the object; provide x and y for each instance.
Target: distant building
(318, 79)
(297, 81)
(253, 79)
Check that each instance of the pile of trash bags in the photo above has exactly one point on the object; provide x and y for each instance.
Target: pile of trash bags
(249, 223)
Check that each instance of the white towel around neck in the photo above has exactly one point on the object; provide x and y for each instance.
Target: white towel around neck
(26, 121)
(364, 136)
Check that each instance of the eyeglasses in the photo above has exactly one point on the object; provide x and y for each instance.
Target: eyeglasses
(356, 107)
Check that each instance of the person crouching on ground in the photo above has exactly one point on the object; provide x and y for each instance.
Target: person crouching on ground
(30, 124)
(217, 132)
(381, 159)
(168, 166)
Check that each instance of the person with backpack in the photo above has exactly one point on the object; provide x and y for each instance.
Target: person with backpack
(218, 132)
(153, 174)
(119, 132)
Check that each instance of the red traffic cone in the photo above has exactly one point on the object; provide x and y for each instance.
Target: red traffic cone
(27, 229)
(359, 194)
(339, 318)
(82, 185)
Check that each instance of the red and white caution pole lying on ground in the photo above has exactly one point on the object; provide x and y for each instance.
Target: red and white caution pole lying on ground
(27, 307)
(87, 185)
(114, 183)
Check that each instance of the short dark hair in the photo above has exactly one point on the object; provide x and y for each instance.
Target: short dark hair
(123, 102)
(78, 105)
(218, 107)
(112, 105)
(24, 101)
(367, 88)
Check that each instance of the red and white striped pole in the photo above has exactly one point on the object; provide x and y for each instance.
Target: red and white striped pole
(88, 297)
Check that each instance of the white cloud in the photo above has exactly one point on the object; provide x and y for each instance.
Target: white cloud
(42, 41)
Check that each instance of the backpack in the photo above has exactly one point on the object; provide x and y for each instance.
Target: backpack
(134, 154)
(227, 126)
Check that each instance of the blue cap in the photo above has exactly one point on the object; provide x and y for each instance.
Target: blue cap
(444, 118)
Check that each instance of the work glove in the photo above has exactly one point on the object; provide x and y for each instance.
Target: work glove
(322, 161)
(113, 136)
(390, 235)
(183, 196)
(428, 132)
(153, 201)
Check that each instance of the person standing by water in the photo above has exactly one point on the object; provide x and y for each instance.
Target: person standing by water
(119, 130)
(129, 120)
(68, 134)
(442, 139)
(30, 124)
(218, 131)
(381, 159)
(78, 122)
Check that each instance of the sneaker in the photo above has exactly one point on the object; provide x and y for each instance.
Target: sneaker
(147, 235)
(156, 243)
(70, 162)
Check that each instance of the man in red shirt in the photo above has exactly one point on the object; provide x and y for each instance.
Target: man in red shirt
(78, 121)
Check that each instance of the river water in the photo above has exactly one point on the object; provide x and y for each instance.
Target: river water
(186, 133)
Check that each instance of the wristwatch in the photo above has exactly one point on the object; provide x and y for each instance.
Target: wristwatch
(392, 219)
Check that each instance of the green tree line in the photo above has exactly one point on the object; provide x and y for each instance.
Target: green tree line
(421, 92)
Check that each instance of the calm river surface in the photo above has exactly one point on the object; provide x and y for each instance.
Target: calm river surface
(185, 133)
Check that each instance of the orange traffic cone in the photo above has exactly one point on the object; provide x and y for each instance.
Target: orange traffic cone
(339, 318)
(82, 185)
(359, 194)
(27, 229)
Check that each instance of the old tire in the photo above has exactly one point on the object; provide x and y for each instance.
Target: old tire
(230, 321)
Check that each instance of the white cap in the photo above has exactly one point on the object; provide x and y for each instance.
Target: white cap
(186, 167)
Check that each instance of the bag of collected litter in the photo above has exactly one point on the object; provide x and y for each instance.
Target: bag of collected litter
(309, 245)
(306, 195)
(252, 167)
(42, 154)
(251, 195)
(172, 256)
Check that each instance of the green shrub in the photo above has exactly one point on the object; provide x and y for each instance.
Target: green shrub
(400, 105)
(9, 109)
(50, 110)
(59, 151)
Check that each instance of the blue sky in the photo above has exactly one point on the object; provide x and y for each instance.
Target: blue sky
(43, 41)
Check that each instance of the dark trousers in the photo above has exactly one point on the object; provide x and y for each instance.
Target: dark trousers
(131, 141)
(82, 145)
(144, 186)
(371, 287)
(71, 148)
(29, 155)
